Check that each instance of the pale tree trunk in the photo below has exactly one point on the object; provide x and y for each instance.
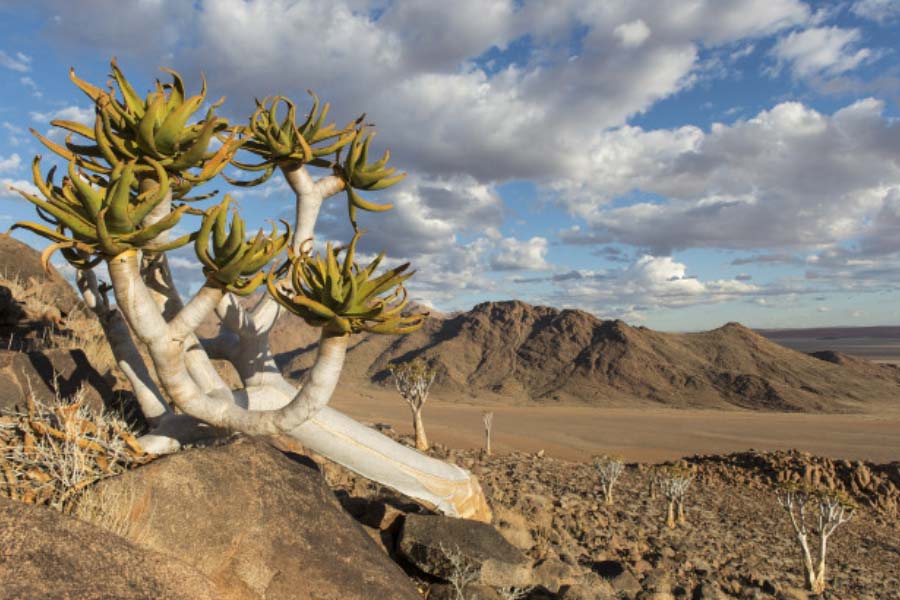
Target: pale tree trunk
(670, 515)
(808, 566)
(419, 430)
(488, 419)
(608, 493)
(817, 577)
(681, 519)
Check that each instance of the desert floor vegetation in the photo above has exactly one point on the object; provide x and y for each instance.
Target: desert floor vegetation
(50, 454)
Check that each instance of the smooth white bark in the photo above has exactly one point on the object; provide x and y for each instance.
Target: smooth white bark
(446, 487)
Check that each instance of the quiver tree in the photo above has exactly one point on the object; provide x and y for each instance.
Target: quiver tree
(413, 380)
(131, 180)
(653, 476)
(487, 418)
(830, 510)
(609, 469)
(673, 483)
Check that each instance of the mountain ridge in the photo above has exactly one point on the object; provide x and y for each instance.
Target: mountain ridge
(513, 352)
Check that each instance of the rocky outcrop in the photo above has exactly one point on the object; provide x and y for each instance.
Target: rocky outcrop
(47, 556)
(21, 261)
(255, 521)
(877, 487)
(48, 374)
(441, 546)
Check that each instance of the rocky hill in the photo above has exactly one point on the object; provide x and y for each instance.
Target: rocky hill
(513, 352)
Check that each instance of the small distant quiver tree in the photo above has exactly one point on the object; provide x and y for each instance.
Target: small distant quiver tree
(830, 510)
(413, 380)
(673, 483)
(487, 418)
(130, 180)
(609, 469)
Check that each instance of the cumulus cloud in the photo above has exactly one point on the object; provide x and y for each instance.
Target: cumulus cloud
(649, 282)
(30, 83)
(477, 93)
(15, 135)
(422, 71)
(821, 51)
(790, 177)
(79, 114)
(520, 255)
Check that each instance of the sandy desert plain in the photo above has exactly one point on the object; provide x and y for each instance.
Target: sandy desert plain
(638, 434)
(648, 434)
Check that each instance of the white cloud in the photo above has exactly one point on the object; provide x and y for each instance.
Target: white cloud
(18, 62)
(632, 34)
(413, 66)
(649, 282)
(881, 11)
(821, 51)
(12, 163)
(79, 114)
(790, 177)
(6, 184)
(520, 255)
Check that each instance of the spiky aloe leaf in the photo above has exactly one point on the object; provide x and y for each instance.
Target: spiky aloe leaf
(334, 293)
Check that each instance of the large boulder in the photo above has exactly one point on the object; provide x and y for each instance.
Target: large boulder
(18, 260)
(440, 545)
(47, 556)
(252, 519)
(49, 373)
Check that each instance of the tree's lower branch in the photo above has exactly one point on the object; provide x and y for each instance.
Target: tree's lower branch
(446, 487)
(125, 352)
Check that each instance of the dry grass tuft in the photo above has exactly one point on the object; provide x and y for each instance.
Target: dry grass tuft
(50, 453)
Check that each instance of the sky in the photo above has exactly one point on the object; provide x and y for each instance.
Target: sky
(675, 164)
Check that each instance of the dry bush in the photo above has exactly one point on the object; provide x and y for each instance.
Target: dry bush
(462, 571)
(50, 453)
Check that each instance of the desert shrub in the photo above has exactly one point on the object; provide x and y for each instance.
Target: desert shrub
(462, 571)
(50, 453)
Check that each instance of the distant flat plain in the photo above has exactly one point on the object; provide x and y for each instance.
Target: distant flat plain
(659, 434)
(878, 344)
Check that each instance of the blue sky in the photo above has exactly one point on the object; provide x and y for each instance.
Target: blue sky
(674, 164)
